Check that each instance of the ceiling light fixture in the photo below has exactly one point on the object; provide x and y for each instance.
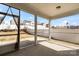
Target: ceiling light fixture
(58, 7)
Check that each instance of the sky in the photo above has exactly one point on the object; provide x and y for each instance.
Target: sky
(72, 20)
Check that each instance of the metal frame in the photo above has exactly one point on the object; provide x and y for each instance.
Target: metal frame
(18, 25)
(13, 17)
(9, 6)
(4, 16)
(8, 14)
(17, 47)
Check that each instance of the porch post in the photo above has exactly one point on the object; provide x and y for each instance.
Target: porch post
(49, 29)
(35, 29)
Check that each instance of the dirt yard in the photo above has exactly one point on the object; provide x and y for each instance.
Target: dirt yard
(9, 36)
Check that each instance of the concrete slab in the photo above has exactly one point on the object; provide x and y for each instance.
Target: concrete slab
(59, 49)
(55, 46)
(65, 44)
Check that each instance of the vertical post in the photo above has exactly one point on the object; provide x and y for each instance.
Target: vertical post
(49, 29)
(35, 29)
(18, 35)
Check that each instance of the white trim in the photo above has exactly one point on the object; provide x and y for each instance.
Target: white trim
(49, 29)
(35, 29)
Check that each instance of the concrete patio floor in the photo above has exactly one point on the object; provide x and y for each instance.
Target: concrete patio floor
(45, 47)
(48, 48)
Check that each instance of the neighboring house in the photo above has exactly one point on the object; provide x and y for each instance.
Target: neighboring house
(23, 24)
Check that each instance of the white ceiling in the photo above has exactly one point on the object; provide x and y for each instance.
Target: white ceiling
(48, 10)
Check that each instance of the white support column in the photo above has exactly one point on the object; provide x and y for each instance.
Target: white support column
(35, 29)
(49, 29)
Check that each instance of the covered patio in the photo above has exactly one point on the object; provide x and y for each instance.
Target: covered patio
(45, 46)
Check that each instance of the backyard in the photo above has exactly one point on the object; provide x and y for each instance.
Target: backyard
(12, 36)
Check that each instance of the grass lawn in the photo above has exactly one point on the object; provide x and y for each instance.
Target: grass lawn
(13, 37)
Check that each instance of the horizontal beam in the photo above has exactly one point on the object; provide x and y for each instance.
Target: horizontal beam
(8, 14)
